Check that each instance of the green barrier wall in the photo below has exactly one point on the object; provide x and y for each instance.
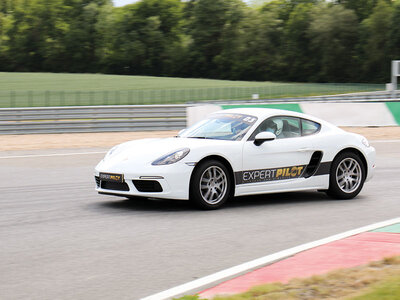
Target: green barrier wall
(290, 106)
(394, 108)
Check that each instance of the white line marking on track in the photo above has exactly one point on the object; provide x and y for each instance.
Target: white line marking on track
(53, 154)
(181, 289)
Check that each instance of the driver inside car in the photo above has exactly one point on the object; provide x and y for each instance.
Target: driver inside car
(271, 126)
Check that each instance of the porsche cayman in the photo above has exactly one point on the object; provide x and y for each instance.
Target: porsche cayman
(241, 151)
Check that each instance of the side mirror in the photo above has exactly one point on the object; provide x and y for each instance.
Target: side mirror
(264, 137)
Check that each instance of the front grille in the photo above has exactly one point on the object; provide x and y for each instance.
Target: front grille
(147, 186)
(115, 186)
(97, 178)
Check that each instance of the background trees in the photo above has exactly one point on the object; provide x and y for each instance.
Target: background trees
(333, 34)
(286, 40)
(377, 29)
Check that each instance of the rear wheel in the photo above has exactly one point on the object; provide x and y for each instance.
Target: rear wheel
(210, 185)
(347, 176)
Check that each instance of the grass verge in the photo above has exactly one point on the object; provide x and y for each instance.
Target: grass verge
(375, 281)
(57, 89)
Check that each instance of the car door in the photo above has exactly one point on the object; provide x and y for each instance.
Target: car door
(278, 164)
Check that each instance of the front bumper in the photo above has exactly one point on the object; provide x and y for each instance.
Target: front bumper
(174, 181)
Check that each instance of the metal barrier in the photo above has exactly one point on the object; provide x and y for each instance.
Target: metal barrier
(382, 96)
(135, 117)
(92, 119)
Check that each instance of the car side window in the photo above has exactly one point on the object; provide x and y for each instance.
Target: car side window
(309, 127)
(282, 127)
(288, 127)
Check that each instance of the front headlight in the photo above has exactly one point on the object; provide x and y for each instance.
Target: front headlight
(171, 158)
(110, 152)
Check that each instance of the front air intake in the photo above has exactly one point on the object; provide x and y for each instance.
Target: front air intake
(115, 186)
(147, 186)
(97, 178)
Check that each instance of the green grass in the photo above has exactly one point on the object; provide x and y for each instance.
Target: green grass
(389, 289)
(375, 281)
(56, 89)
(100, 82)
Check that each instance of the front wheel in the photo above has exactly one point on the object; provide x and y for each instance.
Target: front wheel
(347, 176)
(210, 185)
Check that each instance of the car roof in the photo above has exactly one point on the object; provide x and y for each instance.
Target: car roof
(263, 113)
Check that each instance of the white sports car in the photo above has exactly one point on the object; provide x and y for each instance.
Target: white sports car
(242, 151)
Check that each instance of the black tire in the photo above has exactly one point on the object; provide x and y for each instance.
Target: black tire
(347, 176)
(210, 186)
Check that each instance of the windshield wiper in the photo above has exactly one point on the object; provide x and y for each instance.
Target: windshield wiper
(203, 137)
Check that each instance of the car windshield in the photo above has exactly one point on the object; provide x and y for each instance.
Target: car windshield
(230, 127)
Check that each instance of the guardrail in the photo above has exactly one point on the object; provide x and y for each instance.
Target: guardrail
(137, 117)
(92, 119)
(382, 96)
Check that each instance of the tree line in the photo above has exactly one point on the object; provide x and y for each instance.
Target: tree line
(280, 40)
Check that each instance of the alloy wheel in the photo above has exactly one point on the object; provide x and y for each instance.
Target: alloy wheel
(213, 185)
(348, 175)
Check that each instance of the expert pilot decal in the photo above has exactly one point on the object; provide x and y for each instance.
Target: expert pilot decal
(263, 175)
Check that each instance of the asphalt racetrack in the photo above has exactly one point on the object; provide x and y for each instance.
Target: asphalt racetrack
(61, 240)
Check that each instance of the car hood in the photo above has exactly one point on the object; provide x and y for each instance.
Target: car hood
(146, 151)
